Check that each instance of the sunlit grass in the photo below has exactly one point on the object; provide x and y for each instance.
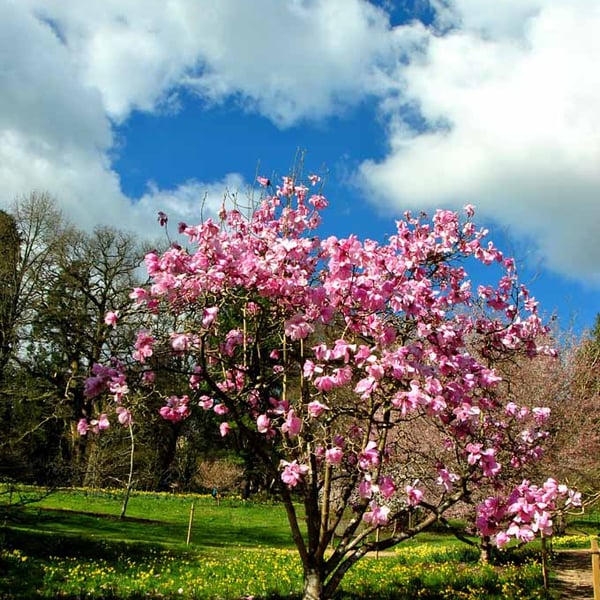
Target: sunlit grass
(72, 545)
(277, 573)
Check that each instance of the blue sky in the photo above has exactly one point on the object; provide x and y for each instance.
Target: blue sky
(121, 108)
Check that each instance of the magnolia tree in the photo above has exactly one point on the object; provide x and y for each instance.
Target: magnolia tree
(360, 374)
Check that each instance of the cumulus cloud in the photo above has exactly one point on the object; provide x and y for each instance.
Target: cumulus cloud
(287, 60)
(72, 70)
(192, 201)
(508, 107)
(496, 104)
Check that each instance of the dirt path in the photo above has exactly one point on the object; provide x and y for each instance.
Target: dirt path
(573, 570)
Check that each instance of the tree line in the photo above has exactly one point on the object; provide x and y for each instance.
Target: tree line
(57, 283)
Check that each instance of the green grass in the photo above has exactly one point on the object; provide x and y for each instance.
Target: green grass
(72, 545)
(159, 518)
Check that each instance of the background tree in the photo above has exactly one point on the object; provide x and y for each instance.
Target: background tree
(575, 426)
(9, 267)
(326, 357)
(30, 264)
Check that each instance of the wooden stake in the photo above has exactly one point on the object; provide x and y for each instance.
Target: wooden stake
(189, 532)
(596, 568)
(545, 563)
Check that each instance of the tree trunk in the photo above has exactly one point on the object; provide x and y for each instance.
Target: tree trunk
(313, 585)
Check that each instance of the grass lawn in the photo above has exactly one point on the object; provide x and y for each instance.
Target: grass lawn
(72, 544)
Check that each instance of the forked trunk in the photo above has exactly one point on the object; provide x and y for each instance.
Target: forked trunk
(313, 585)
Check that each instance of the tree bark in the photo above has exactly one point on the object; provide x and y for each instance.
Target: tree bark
(313, 585)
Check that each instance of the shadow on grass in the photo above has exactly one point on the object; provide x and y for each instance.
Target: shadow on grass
(208, 532)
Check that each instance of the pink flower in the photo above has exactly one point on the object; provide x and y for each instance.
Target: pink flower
(366, 488)
(233, 338)
(82, 427)
(316, 409)
(292, 425)
(176, 409)
(446, 479)
(489, 464)
(297, 328)
(119, 388)
(143, 346)
(369, 456)
(94, 386)
(293, 473)
(224, 429)
(263, 181)
(386, 487)
(99, 424)
(139, 295)
(334, 455)
(180, 342)
(414, 495)
(325, 383)
(378, 515)
(148, 377)
(123, 416)
(206, 402)
(209, 315)
(263, 423)
(111, 318)
(541, 415)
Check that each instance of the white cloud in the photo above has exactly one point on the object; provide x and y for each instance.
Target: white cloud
(72, 69)
(512, 108)
(285, 59)
(509, 92)
(192, 201)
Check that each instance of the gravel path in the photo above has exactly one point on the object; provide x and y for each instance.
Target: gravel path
(573, 570)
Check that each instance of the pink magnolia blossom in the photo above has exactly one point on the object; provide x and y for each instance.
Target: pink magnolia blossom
(143, 346)
(124, 416)
(316, 409)
(111, 318)
(377, 515)
(224, 429)
(446, 479)
(206, 402)
(414, 495)
(292, 425)
(386, 486)
(293, 473)
(334, 455)
(366, 487)
(139, 295)
(298, 328)
(209, 316)
(263, 423)
(369, 456)
(101, 423)
(176, 409)
(180, 342)
(148, 378)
